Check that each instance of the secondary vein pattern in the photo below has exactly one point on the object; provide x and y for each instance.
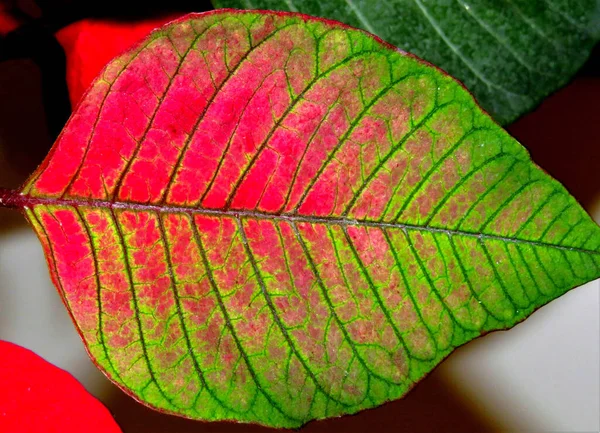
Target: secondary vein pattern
(273, 219)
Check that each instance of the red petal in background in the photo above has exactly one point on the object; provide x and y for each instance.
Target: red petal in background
(37, 397)
(90, 44)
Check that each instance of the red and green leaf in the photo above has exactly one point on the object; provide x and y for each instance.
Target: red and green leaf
(273, 218)
(37, 397)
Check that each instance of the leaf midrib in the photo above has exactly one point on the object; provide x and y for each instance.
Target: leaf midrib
(28, 201)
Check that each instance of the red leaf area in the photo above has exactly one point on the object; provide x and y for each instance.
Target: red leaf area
(36, 396)
(139, 110)
(90, 44)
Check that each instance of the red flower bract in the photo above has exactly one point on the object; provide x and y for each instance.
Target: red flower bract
(90, 44)
(37, 397)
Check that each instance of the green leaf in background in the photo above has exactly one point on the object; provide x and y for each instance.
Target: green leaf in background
(509, 53)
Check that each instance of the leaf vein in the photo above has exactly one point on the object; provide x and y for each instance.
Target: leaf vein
(230, 326)
(130, 279)
(276, 317)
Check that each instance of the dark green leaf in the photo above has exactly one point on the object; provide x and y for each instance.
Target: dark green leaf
(509, 53)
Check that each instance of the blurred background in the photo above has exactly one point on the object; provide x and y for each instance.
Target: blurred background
(543, 375)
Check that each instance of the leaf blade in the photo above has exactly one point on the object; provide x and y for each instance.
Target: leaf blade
(309, 287)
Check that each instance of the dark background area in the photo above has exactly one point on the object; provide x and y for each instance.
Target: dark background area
(562, 135)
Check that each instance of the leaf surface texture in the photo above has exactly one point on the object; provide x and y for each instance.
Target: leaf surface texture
(272, 218)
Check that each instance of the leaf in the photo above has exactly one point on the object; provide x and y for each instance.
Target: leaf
(39, 397)
(510, 54)
(274, 218)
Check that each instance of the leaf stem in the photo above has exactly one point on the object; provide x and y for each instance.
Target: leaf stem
(10, 199)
